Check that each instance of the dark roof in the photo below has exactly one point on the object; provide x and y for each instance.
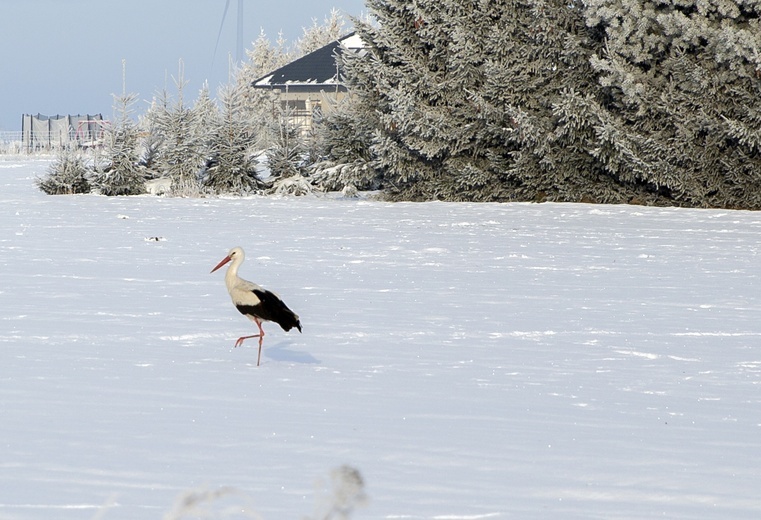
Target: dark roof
(315, 71)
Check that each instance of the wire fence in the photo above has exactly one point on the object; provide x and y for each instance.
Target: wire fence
(10, 142)
(9, 137)
(17, 142)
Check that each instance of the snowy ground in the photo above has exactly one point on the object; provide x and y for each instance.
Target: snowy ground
(470, 360)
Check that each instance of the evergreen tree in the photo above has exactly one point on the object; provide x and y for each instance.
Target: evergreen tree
(120, 173)
(541, 99)
(285, 156)
(232, 168)
(149, 143)
(421, 68)
(67, 175)
(260, 104)
(685, 77)
(483, 100)
(317, 36)
(263, 57)
(208, 118)
(181, 152)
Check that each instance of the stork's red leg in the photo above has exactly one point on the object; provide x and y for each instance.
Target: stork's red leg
(243, 338)
(259, 324)
(261, 338)
(260, 335)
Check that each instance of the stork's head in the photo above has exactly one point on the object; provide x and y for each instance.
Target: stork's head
(236, 255)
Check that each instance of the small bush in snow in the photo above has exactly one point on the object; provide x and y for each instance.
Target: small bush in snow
(209, 503)
(187, 188)
(67, 175)
(294, 185)
(329, 176)
(346, 494)
(285, 156)
(350, 191)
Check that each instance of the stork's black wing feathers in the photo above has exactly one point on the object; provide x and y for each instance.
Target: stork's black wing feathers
(272, 308)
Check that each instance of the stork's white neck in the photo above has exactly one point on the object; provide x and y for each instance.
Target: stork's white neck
(231, 276)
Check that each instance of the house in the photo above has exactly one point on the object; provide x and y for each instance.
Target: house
(312, 83)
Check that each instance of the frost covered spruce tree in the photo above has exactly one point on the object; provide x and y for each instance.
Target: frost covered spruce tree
(207, 118)
(540, 97)
(259, 104)
(180, 153)
(467, 96)
(285, 153)
(686, 78)
(319, 35)
(232, 168)
(414, 84)
(607, 100)
(118, 171)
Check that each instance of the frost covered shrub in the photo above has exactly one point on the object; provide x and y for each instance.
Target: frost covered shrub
(117, 169)
(293, 185)
(346, 494)
(336, 501)
(67, 175)
(330, 176)
(343, 143)
(285, 156)
(115, 179)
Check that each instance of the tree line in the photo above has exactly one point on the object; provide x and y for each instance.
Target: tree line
(207, 147)
(609, 101)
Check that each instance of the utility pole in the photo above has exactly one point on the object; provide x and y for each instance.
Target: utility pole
(241, 46)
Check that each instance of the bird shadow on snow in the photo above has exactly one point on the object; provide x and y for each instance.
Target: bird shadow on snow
(281, 352)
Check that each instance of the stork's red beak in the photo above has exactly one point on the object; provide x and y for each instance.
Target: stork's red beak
(223, 262)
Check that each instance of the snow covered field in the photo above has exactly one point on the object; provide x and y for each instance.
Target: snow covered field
(472, 361)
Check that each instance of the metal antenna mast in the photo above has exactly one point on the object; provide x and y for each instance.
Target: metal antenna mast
(240, 52)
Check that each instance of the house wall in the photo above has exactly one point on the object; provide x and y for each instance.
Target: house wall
(304, 105)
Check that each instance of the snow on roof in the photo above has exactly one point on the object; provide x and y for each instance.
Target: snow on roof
(352, 41)
(264, 81)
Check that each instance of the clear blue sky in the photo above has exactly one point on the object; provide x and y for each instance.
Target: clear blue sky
(65, 56)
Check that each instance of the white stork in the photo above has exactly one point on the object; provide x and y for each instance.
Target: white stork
(255, 302)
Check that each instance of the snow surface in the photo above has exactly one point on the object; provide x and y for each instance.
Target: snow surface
(470, 360)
